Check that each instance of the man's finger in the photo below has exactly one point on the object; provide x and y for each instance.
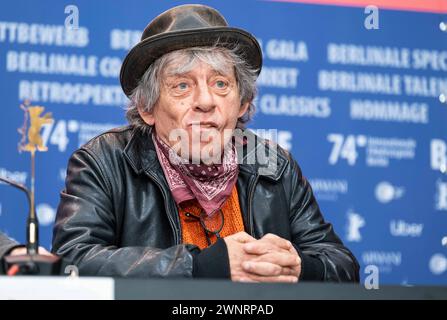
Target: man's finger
(260, 247)
(288, 271)
(283, 259)
(244, 279)
(261, 268)
(280, 278)
(242, 237)
(278, 241)
(44, 252)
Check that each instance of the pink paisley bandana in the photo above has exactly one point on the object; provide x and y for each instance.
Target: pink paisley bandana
(211, 185)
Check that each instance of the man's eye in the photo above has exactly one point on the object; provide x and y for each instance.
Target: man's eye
(182, 86)
(221, 84)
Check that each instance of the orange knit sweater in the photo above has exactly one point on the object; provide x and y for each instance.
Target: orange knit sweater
(192, 230)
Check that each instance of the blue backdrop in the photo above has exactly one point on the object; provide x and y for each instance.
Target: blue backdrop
(356, 97)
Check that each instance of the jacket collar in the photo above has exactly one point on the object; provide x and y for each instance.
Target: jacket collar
(256, 157)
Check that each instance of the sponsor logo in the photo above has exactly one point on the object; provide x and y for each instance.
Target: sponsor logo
(385, 260)
(46, 214)
(328, 189)
(438, 264)
(386, 192)
(400, 228)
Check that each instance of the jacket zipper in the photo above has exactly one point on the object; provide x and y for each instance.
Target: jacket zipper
(250, 200)
(165, 196)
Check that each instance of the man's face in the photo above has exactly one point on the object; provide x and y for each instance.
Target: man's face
(202, 103)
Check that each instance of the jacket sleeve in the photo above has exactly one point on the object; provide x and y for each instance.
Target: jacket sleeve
(323, 255)
(6, 245)
(85, 230)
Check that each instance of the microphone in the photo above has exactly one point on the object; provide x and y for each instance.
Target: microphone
(31, 263)
(32, 230)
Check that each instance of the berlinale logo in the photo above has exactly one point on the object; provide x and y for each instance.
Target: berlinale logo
(355, 222)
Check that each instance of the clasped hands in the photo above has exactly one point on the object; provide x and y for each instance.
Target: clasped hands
(269, 259)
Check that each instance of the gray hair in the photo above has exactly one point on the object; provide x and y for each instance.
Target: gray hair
(146, 94)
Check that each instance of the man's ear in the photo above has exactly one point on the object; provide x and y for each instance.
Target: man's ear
(147, 117)
(244, 108)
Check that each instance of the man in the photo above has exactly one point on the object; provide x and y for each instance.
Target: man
(175, 195)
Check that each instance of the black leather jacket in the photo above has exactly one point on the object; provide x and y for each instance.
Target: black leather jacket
(6, 245)
(117, 216)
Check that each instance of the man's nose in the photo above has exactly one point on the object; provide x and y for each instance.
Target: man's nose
(204, 99)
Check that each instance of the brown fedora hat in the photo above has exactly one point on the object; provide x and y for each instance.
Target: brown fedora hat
(184, 27)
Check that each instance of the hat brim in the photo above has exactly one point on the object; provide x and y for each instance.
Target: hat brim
(147, 51)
